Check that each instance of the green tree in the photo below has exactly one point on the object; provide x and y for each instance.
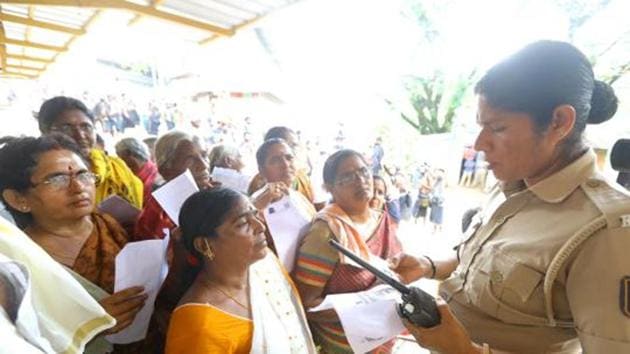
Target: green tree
(434, 95)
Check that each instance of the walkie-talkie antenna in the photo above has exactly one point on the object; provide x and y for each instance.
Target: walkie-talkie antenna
(402, 288)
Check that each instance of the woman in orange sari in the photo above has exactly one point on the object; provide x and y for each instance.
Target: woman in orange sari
(239, 299)
(49, 190)
(320, 270)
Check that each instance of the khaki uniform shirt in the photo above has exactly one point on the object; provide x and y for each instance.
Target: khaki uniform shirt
(497, 289)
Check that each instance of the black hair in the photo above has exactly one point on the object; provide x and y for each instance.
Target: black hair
(544, 75)
(263, 150)
(200, 216)
(278, 132)
(380, 178)
(52, 109)
(333, 161)
(19, 157)
(203, 212)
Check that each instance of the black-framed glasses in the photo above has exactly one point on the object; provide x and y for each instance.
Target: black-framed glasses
(62, 181)
(69, 129)
(349, 177)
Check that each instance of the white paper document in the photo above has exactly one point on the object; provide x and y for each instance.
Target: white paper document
(369, 317)
(287, 223)
(144, 264)
(173, 194)
(231, 179)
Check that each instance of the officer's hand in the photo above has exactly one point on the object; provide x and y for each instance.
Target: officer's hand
(449, 337)
(410, 268)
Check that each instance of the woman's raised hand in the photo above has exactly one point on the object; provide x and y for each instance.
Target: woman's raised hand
(270, 193)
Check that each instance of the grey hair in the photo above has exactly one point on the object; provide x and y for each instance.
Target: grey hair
(219, 153)
(135, 147)
(166, 145)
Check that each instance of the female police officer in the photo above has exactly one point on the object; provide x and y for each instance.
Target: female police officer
(545, 267)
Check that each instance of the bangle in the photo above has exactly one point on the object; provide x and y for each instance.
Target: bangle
(433, 269)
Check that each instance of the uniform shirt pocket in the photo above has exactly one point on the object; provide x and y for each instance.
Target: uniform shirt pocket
(510, 290)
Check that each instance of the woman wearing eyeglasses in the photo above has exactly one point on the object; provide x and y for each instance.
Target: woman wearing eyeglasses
(71, 117)
(49, 190)
(320, 270)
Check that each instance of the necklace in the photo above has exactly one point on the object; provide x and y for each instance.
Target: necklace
(226, 293)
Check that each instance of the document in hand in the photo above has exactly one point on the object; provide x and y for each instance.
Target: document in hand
(173, 194)
(231, 179)
(287, 222)
(369, 317)
(119, 209)
(141, 263)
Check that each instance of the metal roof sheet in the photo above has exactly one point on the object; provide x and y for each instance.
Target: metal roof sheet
(34, 32)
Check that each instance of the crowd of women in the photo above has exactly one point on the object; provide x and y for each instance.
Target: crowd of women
(539, 271)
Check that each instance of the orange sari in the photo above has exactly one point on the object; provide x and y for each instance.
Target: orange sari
(96, 260)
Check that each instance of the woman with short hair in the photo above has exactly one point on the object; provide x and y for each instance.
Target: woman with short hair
(49, 190)
(71, 117)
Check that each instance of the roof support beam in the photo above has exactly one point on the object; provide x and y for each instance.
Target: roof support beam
(130, 6)
(41, 24)
(29, 58)
(17, 74)
(25, 67)
(3, 47)
(136, 18)
(32, 44)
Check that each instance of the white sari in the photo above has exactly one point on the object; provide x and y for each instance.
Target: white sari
(279, 320)
(54, 313)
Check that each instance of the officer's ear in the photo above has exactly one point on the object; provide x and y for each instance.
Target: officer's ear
(562, 123)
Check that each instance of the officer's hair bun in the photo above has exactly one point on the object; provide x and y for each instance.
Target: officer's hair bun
(603, 103)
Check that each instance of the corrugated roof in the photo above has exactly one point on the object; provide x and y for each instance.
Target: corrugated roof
(34, 32)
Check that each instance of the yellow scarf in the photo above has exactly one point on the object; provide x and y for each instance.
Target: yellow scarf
(115, 178)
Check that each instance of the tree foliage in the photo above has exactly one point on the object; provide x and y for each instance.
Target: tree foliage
(433, 95)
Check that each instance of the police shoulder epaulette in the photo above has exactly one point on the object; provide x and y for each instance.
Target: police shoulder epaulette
(611, 199)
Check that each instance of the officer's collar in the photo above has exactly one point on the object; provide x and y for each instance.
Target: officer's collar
(559, 185)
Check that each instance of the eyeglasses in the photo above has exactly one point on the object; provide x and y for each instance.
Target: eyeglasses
(349, 177)
(62, 181)
(69, 129)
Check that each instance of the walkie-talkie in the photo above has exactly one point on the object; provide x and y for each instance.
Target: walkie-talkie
(417, 306)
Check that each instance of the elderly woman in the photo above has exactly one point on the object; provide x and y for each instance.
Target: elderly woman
(320, 270)
(137, 157)
(49, 190)
(276, 165)
(175, 152)
(71, 117)
(225, 156)
(239, 299)
(545, 266)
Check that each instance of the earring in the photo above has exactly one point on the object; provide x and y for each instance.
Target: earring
(208, 251)
(24, 208)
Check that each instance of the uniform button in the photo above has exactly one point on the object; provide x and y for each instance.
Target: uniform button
(500, 219)
(496, 276)
(593, 183)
